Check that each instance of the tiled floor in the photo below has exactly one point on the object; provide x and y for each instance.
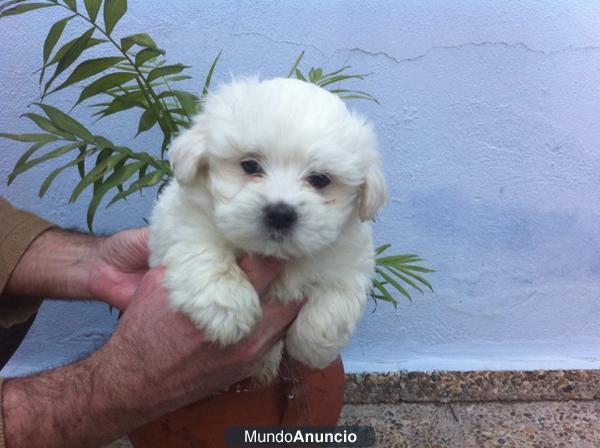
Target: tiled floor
(536, 424)
(542, 424)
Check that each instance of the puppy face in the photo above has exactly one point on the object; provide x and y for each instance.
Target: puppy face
(285, 165)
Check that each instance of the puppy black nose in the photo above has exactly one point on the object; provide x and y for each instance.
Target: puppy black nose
(280, 216)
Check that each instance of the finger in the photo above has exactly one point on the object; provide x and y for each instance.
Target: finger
(152, 280)
(261, 271)
(140, 240)
(275, 319)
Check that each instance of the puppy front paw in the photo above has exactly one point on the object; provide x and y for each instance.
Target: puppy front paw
(230, 317)
(225, 307)
(310, 349)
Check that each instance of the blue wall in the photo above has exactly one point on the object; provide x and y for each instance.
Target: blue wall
(489, 127)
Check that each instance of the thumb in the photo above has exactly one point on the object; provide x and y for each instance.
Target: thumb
(261, 271)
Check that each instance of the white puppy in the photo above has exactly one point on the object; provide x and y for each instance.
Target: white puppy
(281, 168)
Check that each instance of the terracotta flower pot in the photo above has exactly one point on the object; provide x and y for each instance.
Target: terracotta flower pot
(301, 397)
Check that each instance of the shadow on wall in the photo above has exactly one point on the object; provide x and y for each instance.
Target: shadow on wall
(486, 225)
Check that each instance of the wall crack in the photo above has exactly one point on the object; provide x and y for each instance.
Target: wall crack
(514, 45)
(277, 41)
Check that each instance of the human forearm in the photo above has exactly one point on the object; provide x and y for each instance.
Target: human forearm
(73, 265)
(155, 362)
(56, 264)
(89, 403)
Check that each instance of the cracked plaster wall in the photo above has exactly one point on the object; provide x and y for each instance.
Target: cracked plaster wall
(489, 130)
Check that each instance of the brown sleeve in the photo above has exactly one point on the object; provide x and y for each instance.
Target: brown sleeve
(2, 438)
(18, 229)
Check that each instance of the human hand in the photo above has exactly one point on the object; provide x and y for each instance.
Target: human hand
(118, 265)
(174, 363)
(155, 362)
(64, 264)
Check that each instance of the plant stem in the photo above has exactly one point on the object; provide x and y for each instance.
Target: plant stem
(157, 114)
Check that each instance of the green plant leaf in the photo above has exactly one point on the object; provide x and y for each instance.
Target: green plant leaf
(394, 283)
(48, 181)
(123, 102)
(127, 67)
(141, 39)
(339, 78)
(353, 94)
(33, 162)
(177, 110)
(104, 154)
(93, 7)
(104, 163)
(24, 8)
(28, 137)
(315, 75)
(46, 125)
(398, 258)
(71, 55)
(386, 295)
(339, 70)
(177, 78)
(166, 70)
(296, 64)
(209, 75)
(404, 278)
(408, 267)
(413, 275)
(88, 69)
(66, 47)
(107, 82)
(81, 163)
(142, 171)
(182, 123)
(359, 97)
(113, 11)
(103, 142)
(299, 75)
(117, 168)
(114, 91)
(72, 4)
(117, 178)
(377, 296)
(142, 156)
(146, 181)
(51, 40)
(380, 249)
(101, 104)
(24, 157)
(188, 102)
(145, 55)
(65, 122)
(147, 120)
(9, 3)
(53, 36)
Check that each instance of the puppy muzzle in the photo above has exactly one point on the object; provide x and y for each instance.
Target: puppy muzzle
(279, 219)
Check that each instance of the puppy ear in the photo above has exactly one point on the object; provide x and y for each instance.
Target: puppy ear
(187, 154)
(374, 192)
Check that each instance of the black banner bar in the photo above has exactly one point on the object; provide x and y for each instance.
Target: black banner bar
(300, 437)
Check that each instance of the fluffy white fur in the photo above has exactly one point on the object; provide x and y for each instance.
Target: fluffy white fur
(214, 212)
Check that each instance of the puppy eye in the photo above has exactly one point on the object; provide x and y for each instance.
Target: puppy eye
(319, 180)
(251, 167)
